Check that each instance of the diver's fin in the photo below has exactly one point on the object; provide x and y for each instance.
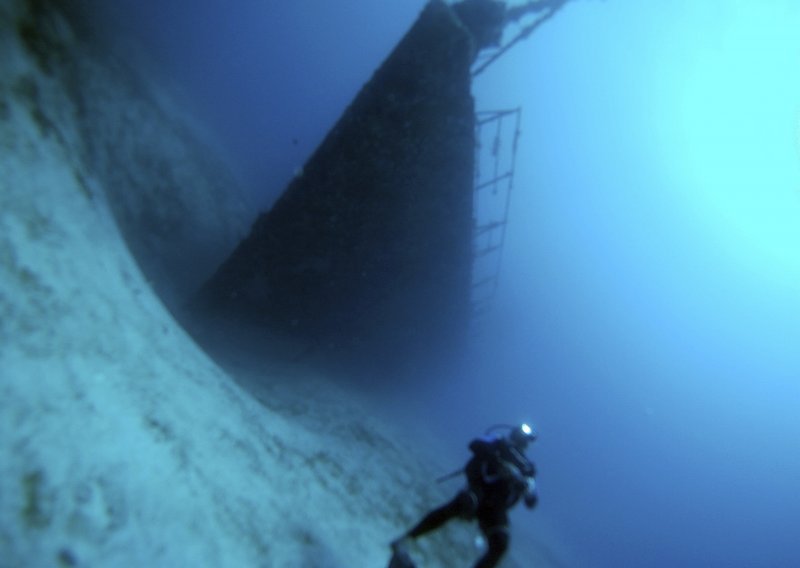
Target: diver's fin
(401, 559)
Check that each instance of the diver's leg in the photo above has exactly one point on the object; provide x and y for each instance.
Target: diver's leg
(462, 505)
(437, 517)
(494, 526)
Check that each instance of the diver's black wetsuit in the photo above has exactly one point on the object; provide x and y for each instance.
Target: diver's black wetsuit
(498, 475)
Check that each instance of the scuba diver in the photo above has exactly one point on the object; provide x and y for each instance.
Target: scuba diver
(498, 476)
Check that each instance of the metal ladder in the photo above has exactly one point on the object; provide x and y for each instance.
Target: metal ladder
(495, 162)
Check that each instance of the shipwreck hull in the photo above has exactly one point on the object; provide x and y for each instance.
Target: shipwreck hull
(366, 257)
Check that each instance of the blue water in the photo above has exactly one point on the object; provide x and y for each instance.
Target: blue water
(648, 317)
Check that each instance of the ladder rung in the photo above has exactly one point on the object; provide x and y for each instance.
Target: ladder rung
(483, 282)
(492, 181)
(485, 117)
(489, 227)
(488, 250)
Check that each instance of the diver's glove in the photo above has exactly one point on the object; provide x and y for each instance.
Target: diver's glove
(531, 495)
